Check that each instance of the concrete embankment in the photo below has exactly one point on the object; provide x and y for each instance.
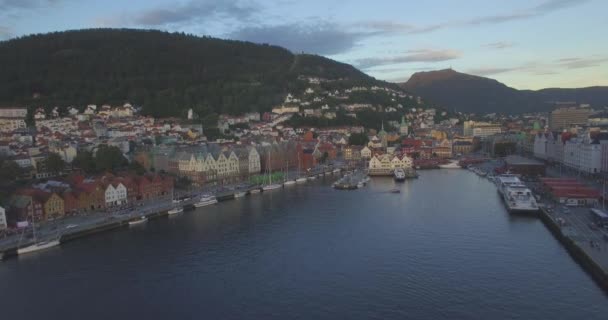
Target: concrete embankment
(596, 271)
(116, 222)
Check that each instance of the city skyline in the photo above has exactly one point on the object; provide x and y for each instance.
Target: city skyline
(396, 40)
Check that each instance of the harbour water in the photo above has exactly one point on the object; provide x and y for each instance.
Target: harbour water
(443, 248)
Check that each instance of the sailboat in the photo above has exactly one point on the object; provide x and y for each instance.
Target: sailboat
(38, 245)
(286, 181)
(176, 208)
(270, 185)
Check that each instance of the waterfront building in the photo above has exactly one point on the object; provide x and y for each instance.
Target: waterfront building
(385, 164)
(443, 149)
(524, 166)
(566, 117)
(115, 194)
(583, 155)
(3, 224)
(366, 153)
(53, 206)
(462, 145)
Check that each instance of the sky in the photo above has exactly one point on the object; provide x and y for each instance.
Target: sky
(526, 44)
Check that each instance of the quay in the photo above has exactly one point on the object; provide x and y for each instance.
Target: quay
(582, 249)
(114, 221)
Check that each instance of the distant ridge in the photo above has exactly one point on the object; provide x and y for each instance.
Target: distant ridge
(474, 94)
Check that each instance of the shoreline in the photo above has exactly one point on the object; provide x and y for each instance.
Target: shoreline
(119, 222)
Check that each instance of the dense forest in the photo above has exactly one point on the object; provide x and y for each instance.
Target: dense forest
(166, 73)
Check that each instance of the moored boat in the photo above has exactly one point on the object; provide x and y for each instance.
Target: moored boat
(289, 182)
(256, 190)
(206, 201)
(38, 246)
(301, 180)
(240, 194)
(138, 221)
(399, 175)
(273, 186)
(175, 210)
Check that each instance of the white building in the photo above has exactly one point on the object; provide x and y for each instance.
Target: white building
(366, 153)
(386, 164)
(583, 156)
(116, 194)
(3, 224)
(254, 161)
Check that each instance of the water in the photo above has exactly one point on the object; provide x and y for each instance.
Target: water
(442, 249)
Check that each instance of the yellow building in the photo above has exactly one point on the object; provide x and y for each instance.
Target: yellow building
(53, 207)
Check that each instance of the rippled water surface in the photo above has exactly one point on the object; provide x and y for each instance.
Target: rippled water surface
(444, 248)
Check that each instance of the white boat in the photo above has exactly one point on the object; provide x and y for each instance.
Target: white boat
(519, 199)
(256, 190)
(240, 194)
(312, 178)
(360, 184)
(399, 175)
(336, 171)
(505, 180)
(273, 186)
(206, 201)
(289, 183)
(138, 221)
(451, 165)
(38, 246)
(175, 210)
(301, 180)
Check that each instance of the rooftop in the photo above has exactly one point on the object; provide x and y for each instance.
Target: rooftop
(521, 161)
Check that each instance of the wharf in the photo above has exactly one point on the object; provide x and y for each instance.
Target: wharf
(588, 250)
(87, 225)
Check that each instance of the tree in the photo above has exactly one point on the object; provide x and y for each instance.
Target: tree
(84, 160)
(183, 183)
(54, 163)
(358, 139)
(9, 170)
(109, 158)
(137, 168)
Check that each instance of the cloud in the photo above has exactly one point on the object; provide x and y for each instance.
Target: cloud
(189, 13)
(424, 55)
(6, 5)
(542, 9)
(324, 38)
(580, 63)
(488, 71)
(499, 45)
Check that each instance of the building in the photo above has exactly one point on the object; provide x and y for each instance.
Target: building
(583, 155)
(366, 153)
(115, 194)
(462, 145)
(524, 166)
(566, 117)
(386, 164)
(12, 119)
(3, 223)
(486, 130)
(53, 206)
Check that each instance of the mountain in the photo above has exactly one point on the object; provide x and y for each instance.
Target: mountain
(166, 73)
(468, 93)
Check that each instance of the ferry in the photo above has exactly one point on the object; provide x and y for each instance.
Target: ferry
(301, 180)
(399, 175)
(505, 180)
(175, 210)
(138, 221)
(518, 198)
(206, 201)
(451, 165)
(38, 246)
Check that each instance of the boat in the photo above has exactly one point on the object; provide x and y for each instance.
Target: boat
(312, 178)
(301, 180)
(451, 165)
(138, 221)
(399, 175)
(256, 190)
(38, 246)
(205, 200)
(289, 183)
(360, 184)
(240, 194)
(515, 195)
(395, 191)
(175, 210)
(336, 171)
(519, 199)
(270, 186)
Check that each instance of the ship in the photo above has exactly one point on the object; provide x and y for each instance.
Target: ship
(206, 200)
(516, 196)
(399, 175)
